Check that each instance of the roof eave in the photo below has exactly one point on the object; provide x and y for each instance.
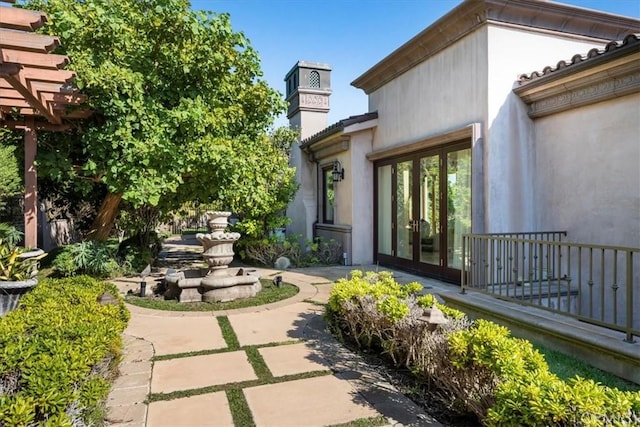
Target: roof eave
(472, 14)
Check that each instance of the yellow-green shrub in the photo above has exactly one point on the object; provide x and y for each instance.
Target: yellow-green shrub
(478, 368)
(489, 345)
(544, 399)
(380, 286)
(53, 348)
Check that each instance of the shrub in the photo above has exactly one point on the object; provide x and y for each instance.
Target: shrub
(328, 252)
(544, 399)
(56, 350)
(476, 367)
(266, 251)
(94, 258)
(13, 267)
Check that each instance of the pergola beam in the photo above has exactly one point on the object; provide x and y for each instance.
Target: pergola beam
(33, 59)
(29, 42)
(21, 19)
(20, 84)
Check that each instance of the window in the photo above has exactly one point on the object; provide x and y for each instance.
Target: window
(314, 79)
(328, 195)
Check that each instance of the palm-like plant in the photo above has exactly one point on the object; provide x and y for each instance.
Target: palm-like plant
(14, 265)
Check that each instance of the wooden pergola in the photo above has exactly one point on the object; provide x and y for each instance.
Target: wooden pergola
(35, 93)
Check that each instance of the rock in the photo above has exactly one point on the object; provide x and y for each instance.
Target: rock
(282, 263)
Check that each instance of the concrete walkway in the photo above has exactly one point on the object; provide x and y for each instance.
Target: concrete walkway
(278, 367)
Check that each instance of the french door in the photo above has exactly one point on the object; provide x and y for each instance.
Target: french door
(423, 209)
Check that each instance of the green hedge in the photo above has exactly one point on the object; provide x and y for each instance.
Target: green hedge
(478, 367)
(57, 350)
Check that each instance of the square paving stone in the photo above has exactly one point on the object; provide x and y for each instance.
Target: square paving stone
(203, 410)
(127, 414)
(187, 373)
(171, 335)
(324, 291)
(277, 325)
(292, 359)
(309, 402)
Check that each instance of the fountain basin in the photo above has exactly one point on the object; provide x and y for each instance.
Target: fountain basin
(221, 289)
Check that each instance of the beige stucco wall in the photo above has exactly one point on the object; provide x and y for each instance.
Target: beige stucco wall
(361, 187)
(588, 172)
(588, 183)
(471, 82)
(510, 151)
(442, 93)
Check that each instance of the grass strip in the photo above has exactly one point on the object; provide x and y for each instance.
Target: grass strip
(239, 407)
(365, 422)
(257, 361)
(219, 350)
(269, 294)
(154, 397)
(228, 334)
(567, 367)
(189, 354)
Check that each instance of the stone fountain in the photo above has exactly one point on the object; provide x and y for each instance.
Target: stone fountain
(219, 283)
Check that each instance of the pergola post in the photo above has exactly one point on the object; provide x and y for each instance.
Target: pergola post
(30, 185)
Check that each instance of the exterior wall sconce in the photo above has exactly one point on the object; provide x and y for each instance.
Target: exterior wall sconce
(338, 171)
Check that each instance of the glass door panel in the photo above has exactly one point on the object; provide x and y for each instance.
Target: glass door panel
(404, 210)
(430, 210)
(384, 210)
(458, 204)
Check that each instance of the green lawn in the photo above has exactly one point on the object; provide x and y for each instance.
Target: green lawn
(269, 293)
(568, 367)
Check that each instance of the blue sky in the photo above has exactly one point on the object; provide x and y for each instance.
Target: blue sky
(349, 35)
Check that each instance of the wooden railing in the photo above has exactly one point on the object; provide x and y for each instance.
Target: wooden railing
(593, 283)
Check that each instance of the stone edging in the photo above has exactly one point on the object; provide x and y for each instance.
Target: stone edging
(126, 403)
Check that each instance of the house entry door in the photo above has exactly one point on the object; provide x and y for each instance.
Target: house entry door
(423, 209)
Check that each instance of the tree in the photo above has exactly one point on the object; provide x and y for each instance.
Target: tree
(10, 173)
(177, 97)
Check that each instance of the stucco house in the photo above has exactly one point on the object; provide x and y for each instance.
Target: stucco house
(461, 136)
(503, 116)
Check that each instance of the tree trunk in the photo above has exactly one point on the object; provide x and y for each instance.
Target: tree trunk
(102, 225)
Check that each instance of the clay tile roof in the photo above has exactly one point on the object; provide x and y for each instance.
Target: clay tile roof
(631, 41)
(337, 127)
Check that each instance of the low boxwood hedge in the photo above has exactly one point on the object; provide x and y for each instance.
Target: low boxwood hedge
(477, 367)
(57, 351)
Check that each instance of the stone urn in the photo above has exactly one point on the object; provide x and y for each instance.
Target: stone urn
(218, 245)
(12, 290)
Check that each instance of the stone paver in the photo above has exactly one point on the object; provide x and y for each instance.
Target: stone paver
(353, 391)
(172, 335)
(127, 414)
(200, 371)
(292, 359)
(283, 324)
(324, 290)
(196, 411)
(309, 402)
(128, 396)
